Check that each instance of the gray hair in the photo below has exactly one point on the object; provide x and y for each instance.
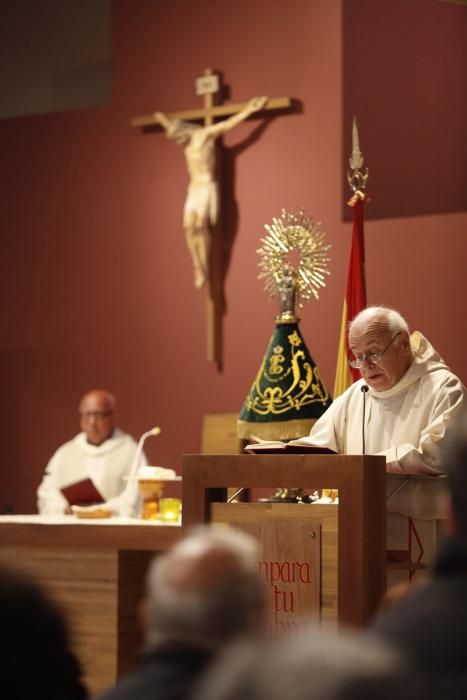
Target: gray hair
(394, 320)
(207, 586)
(316, 664)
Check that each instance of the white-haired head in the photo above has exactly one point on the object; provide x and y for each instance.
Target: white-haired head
(380, 343)
(394, 321)
(207, 587)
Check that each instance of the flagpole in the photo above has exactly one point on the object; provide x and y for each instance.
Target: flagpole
(355, 296)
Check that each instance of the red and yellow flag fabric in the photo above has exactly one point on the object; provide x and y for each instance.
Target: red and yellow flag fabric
(355, 296)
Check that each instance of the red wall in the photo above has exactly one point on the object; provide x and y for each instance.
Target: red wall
(96, 280)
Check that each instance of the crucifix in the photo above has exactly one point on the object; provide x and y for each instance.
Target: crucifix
(201, 210)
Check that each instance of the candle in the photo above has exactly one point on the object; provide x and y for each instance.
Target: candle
(169, 509)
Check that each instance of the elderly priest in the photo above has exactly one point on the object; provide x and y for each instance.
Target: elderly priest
(399, 409)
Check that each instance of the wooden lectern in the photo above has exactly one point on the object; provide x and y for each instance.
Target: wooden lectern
(358, 547)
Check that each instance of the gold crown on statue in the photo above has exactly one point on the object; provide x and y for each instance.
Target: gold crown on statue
(294, 259)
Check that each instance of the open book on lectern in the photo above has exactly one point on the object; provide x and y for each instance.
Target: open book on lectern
(299, 446)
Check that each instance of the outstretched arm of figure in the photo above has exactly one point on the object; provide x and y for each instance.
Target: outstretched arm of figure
(254, 105)
(162, 119)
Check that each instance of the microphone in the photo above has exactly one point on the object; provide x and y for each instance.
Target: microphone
(137, 458)
(364, 389)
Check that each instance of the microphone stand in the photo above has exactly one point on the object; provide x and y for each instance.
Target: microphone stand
(364, 389)
(128, 507)
(236, 494)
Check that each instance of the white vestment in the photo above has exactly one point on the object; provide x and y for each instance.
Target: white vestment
(106, 465)
(404, 424)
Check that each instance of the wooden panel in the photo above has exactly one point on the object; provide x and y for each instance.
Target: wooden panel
(132, 569)
(96, 575)
(154, 537)
(219, 435)
(84, 584)
(324, 515)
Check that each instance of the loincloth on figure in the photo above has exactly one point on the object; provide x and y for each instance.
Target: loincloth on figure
(201, 204)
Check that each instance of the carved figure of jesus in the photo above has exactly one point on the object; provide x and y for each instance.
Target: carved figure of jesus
(201, 210)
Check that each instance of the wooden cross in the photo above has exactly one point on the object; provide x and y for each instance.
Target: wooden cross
(207, 86)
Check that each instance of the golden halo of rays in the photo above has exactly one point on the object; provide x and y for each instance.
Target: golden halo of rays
(288, 234)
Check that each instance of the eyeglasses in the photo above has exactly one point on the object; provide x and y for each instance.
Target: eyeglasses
(86, 415)
(374, 358)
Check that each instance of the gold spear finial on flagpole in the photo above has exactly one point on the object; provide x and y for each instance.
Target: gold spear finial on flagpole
(357, 179)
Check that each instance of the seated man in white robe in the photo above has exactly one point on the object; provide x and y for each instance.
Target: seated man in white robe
(101, 452)
(399, 409)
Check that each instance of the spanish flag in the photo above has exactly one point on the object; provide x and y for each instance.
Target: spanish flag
(355, 296)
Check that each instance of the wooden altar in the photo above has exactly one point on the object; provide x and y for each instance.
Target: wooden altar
(95, 572)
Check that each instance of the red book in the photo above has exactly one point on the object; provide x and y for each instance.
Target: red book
(82, 493)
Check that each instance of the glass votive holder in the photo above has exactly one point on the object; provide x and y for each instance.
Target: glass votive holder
(170, 509)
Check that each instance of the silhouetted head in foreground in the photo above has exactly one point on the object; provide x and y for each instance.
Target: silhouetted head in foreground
(35, 658)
